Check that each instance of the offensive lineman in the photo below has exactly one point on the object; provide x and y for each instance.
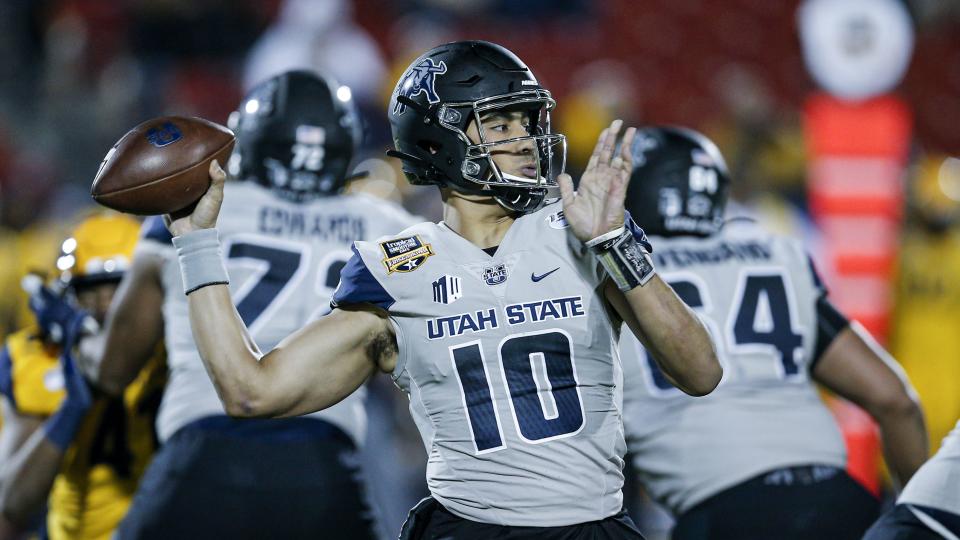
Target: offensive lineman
(929, 506)
(762, 456)
(77, 451)
(499, 322)
(287, 232)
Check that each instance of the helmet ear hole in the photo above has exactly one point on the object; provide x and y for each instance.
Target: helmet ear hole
(432, 148)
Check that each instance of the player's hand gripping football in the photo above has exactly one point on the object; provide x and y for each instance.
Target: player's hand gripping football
(596, 207)
(204, 214)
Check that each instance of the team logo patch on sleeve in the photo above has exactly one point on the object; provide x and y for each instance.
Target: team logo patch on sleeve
(405, 254)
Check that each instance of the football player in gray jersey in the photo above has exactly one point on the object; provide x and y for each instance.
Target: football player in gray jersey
(287, 231)
(761, 457)
(500, 322)
(929, 506)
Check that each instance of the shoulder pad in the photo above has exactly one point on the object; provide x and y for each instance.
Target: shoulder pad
(359, 286)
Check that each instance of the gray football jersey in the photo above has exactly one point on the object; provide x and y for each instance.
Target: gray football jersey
(757, 295)
(510, 365)
(937, 483)
(284, 261)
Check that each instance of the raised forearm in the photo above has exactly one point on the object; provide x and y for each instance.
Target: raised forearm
(27, 479)
(675, 337)
(229, 353)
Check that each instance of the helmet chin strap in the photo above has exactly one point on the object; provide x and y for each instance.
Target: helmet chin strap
(533, 201)
(538, 182)
(512, 198)
(518, 199)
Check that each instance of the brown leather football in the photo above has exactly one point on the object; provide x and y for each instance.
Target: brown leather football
(161, 165)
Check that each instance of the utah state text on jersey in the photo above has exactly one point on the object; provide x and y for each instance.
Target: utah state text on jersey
(536, 311)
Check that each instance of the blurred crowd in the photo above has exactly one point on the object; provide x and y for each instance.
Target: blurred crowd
(76, 74)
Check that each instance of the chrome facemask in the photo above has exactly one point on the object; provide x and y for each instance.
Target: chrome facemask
(549, 149)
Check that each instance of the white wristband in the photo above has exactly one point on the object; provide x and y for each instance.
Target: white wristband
(607, 236)
(200, 260)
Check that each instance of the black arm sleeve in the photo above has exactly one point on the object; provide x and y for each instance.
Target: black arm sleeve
(830, 322)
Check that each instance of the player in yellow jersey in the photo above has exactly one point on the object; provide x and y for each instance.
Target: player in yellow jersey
(925, 337)
(63, 443)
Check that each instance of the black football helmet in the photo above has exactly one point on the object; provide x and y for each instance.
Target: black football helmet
(455, 84)
(679, 184)
(296, 134)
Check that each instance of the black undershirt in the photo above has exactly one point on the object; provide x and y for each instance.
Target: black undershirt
(830, 322)
(491, 251)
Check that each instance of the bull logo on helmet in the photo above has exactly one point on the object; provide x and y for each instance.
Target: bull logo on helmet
(419, 79)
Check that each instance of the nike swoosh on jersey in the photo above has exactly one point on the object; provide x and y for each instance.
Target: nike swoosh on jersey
(537, 278)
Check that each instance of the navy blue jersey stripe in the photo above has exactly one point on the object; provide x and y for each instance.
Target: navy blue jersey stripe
(6, 375)
(816, 276)
(358, 286)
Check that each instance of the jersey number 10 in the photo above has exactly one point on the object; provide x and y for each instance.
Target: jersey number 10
(544, 408)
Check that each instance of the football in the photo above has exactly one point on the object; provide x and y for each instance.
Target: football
(160, 166)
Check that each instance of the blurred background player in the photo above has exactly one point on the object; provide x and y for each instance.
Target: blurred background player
(924, 334)
(761, 457)
(287, 231)
(84, 449)
(929, 506)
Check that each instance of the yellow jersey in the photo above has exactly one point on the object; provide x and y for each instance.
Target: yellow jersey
(101, 469)
(925, 335)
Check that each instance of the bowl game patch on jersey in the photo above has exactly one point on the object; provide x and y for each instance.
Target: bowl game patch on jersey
(405, 254)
